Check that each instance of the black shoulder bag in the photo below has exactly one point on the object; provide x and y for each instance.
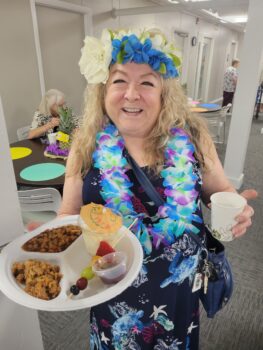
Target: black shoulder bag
(217, 286)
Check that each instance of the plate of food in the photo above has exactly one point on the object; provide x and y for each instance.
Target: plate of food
(64, 265)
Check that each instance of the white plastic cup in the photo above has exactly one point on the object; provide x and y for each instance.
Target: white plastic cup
(52, 138)
(111, 268)
(225, 206)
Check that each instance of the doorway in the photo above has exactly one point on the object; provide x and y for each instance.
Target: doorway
(203, 70)
(233, 52)
(182, 44)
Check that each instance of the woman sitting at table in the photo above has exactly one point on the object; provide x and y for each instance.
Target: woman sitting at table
(46, 118)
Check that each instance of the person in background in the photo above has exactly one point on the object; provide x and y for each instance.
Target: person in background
(134, 105)
(46, 117)
(230, 82)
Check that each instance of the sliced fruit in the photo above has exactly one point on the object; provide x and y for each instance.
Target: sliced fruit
(104, 248)
(94, 259)
(82, 283)
(74, 289)
(87, 273)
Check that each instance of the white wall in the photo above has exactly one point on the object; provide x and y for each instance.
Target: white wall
(19, 83)
(19, 327)
(169, 22)
(10, 213)
(61, 36)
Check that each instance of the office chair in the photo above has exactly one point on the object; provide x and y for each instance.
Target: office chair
(40, 205)
(216, 122)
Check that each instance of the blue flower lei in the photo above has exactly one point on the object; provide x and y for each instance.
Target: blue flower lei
(179, 180)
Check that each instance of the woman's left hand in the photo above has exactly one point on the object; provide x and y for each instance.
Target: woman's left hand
(244, 219)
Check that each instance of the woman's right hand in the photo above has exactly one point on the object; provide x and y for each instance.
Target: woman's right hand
(54, 122)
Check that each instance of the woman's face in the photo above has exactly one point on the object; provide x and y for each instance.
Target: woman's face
(133, 98)
(55, 106)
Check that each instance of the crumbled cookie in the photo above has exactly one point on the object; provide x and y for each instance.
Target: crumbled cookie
(53, 240)
(41, 279)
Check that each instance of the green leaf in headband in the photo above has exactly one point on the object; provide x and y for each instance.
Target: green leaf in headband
(176, 60)
(162, 68)
(120, 56)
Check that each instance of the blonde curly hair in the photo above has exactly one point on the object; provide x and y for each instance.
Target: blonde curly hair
(175, 112)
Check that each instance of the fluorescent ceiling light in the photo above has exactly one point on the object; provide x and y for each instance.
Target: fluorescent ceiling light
(211, 13)
(226, 19)
(235, 19)
(174, 1)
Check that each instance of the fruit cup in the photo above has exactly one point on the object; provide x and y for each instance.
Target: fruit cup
(111, 268)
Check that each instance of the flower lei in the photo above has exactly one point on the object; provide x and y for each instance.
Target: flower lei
(143, 47)
(179, 179)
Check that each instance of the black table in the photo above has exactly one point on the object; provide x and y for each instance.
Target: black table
(37, 156)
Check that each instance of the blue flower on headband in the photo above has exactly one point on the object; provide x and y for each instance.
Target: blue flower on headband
(131, 49)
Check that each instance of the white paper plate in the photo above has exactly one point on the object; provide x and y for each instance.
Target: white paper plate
(71, 262)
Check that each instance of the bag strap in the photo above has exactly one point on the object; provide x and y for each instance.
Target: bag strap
(152, 193)
(145, 182)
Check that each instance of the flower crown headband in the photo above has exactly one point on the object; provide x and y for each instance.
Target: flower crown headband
(148, 47)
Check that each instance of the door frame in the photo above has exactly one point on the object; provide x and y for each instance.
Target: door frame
(61, 5)
(185, 53)
(201, 37)
(235, 44)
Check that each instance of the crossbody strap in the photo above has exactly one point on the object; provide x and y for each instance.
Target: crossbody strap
(145, 183)
(151, 191)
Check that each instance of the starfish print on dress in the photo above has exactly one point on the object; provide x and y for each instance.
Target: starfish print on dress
(191, 327)
(135, 330)
(157, 311)
(104, 338)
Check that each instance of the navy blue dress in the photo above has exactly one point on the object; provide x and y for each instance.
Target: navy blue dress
(159, 310)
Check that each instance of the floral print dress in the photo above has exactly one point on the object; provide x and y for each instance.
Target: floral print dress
(159, 310)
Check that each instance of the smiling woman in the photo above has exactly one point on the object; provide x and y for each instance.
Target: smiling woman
(133, 99)
(136, 108)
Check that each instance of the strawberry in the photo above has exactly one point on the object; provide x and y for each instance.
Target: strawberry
(104, 248)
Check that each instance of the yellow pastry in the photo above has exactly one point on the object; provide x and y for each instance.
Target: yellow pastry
(98, 224)
(100, 219)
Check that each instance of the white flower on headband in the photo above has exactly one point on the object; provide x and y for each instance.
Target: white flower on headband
(96, 58)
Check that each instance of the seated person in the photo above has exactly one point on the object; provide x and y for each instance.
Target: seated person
(46, 118)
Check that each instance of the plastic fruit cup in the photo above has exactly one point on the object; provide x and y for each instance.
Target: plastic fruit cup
(111, 268)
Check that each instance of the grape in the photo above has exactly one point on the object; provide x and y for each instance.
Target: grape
(74, 289)
(82, 283)
(87, 273)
